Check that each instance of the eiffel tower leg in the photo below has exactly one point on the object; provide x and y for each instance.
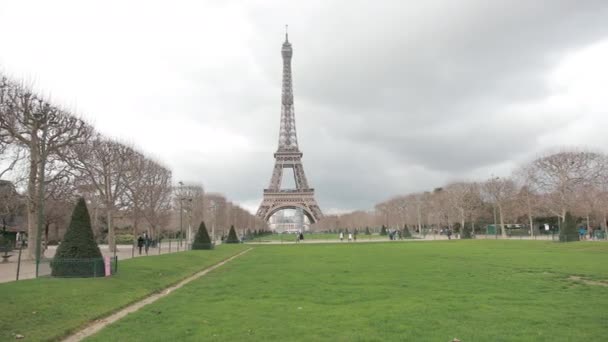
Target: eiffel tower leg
(277, 175)
(298, 171)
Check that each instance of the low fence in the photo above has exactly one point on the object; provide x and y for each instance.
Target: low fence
(16, 266)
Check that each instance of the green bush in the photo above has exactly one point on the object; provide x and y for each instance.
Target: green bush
(78, 255)
(383, 231)
(124, 239)
(232, 238)
(466, 232)
(568, 232)
(202, 240)
(6, 244)
(406, 232)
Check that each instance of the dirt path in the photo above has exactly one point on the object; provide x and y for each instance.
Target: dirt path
(101, 323)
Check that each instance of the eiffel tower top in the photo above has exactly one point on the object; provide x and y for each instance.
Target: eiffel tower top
(288, 139)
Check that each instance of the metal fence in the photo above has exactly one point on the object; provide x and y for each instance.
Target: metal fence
(16, 266)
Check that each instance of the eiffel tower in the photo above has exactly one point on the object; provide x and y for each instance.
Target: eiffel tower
(288, 156)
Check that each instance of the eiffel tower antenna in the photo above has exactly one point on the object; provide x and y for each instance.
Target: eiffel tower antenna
(286, 33)
(288, 156)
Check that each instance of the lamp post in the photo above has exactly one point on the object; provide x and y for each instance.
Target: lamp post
(213, 207)
(181, 184)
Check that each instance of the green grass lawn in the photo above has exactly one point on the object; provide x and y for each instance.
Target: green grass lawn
(427, 291)
(316, 236)
(48, 309)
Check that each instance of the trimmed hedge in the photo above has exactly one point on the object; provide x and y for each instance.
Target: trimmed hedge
(78, 255)
(232, 238)
(202, 240)
(568, 232)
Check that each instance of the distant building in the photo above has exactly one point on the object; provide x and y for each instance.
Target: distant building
(12, 208)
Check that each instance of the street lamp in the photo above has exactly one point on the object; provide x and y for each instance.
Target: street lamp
(213, 207)
(181, 220)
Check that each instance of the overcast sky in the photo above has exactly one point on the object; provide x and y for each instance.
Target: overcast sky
(390, 96)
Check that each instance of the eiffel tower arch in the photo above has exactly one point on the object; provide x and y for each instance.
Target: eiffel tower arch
(288, 156)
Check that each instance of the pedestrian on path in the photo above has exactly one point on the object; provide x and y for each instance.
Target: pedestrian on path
(350, 237)
(140, 243)
(341, 236)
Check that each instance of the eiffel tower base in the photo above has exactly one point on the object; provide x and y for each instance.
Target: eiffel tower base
(289, 199)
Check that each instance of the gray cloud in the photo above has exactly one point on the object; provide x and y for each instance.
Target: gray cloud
(390, 96)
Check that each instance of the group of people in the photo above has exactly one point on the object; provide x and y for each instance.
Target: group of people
(447, 231)
(143, 241)
(299, 237)
(589, 234)
(351, 237)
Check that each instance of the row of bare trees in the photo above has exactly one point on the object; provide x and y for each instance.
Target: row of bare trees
(549, 186)
(51, 157)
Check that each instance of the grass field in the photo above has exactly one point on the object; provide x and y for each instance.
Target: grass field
(427, 291)
(48, 309)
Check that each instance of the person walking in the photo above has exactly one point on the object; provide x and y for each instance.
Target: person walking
(140, 243)
(582, 232)
(449, 233)
(146, 242)
(341, 236)
(350, 237)
(301, 236)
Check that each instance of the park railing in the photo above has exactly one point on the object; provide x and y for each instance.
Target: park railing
(16, 265)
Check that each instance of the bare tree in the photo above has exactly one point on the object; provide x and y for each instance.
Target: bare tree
(103, 165)
(43, 130)
(560, 175)
(500, 191)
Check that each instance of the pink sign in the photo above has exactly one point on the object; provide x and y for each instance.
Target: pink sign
(106, 261)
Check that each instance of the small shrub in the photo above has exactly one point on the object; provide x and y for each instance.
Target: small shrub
(406, 232)
(568, 232)
(383, 231)
(466, 232)
(124, 239)
(202, 240)
(78, 255)
(232, 238)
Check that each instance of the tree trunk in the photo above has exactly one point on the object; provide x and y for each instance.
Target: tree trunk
(31, 203)
(46, 235)
(462, 219)
(605, 227)
(135, 224)
(530, 219)
(111, 240)
(419, 220)
(96, 233)
(503, 231)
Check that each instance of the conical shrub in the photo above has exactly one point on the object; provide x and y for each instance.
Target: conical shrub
(467, 232)
(383, 231)
(406, 232)
(78, 254)
(202, 240)
(232, 238)
(567, 232)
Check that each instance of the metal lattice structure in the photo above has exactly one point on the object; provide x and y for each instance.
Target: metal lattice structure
(288, 155)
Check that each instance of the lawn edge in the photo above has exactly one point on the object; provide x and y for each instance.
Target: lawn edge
(73, 331)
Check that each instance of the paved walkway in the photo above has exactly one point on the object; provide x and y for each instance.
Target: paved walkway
(27, 270)
(418, 238)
